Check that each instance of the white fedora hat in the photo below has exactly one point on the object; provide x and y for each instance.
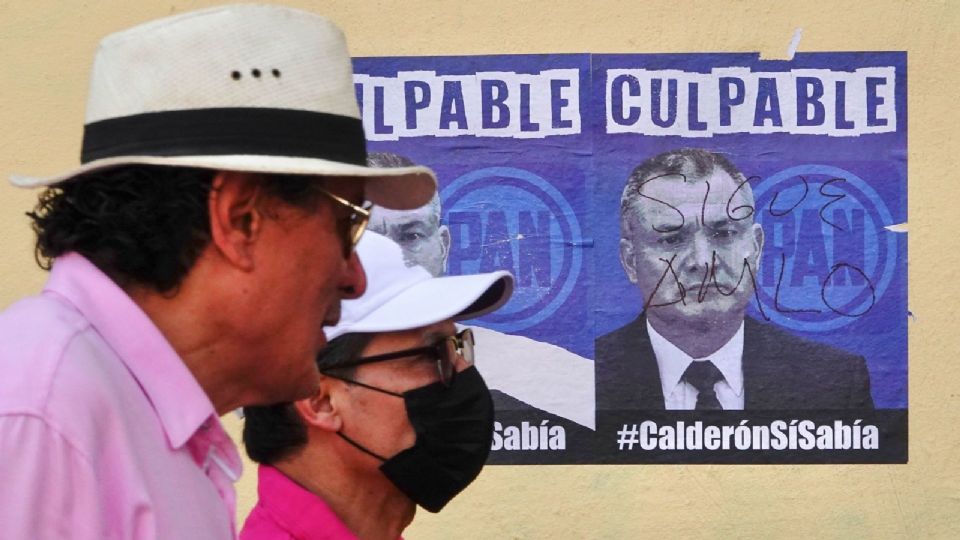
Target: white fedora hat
(401, 297)
(252, 88)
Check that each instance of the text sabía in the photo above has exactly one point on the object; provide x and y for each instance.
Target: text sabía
(528, 436)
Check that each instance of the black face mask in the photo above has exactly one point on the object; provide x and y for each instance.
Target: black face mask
(454, 427)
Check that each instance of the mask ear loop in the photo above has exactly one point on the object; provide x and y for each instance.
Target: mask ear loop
(352, 442)
(358, 383)
(359, 447)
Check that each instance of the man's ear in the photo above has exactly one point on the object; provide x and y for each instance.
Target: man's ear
(236, 218)
(444, 245)
(319, 410)
(628, 259)
(758, 246)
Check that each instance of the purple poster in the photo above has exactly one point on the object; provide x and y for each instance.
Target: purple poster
(705, 246)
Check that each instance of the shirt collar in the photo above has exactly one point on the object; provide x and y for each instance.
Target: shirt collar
(673, 362)
(297, 510)
(180, 403)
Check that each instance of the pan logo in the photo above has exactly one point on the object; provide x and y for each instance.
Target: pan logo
(827, 259)
(504, 218)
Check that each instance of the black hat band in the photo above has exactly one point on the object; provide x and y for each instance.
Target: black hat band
(227, 131)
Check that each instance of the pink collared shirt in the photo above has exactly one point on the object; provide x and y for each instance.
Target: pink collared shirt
(286, 511)
(104, 432)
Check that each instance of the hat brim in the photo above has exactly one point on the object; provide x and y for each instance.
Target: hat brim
(400, 188)
(437, 299)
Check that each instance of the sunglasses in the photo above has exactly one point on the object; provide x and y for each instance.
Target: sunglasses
(444, 351)
(352, 226)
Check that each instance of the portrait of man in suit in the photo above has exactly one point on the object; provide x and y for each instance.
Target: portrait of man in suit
(689, 242)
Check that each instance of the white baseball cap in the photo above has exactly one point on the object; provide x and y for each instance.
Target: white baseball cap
(401, 297)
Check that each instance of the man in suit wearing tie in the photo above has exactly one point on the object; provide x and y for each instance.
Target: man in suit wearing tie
(690, 244)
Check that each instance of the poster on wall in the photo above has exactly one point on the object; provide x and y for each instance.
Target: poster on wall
(705, 246)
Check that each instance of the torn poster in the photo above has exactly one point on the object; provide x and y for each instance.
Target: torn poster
(703, 269)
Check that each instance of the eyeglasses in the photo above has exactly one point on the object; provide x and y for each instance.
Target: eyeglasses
(356, 222)
(444, 351)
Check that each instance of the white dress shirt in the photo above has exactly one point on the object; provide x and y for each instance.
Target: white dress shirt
(540, 374)
(672, 363)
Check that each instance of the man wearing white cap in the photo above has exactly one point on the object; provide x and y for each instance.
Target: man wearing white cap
(196, 253)
(523, 373)
(402, 417)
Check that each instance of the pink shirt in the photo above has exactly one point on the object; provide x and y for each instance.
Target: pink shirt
(286, 511)
(104, 432)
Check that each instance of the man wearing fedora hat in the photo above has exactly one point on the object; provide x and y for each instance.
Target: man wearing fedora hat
(195, 256)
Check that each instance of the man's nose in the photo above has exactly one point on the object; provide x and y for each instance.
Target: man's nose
(698, 253)
(354, 281)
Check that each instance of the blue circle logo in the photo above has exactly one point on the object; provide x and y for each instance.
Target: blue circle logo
(827, 258)
(505, 218)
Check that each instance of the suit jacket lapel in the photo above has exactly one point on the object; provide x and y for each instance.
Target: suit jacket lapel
(760, 370)
(649, 388)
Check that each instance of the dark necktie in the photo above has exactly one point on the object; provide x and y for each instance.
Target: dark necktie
(702, 376)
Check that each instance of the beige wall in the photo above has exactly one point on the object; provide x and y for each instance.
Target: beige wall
(45, 50)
